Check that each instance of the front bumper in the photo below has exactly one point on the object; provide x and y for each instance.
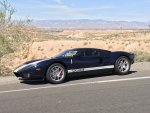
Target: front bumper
(29, 73)
(28, 76)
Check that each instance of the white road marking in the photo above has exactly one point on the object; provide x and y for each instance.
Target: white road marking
(75, 84)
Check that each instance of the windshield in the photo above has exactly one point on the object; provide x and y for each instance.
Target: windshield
(67, 53)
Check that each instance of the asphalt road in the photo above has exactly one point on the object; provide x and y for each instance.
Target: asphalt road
(86, 94)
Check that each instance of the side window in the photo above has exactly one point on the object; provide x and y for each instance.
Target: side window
(95, 53)
(82, 53)
(90, 53)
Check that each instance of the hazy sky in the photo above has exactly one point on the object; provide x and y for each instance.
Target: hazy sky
(128, 10)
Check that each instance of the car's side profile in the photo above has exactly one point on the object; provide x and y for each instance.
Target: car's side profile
(76, 61)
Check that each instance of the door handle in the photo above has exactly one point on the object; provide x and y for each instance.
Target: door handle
(71, 61)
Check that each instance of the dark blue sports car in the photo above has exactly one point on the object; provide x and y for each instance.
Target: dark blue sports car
(76, 61)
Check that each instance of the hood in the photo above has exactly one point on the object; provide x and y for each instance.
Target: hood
(31, 61)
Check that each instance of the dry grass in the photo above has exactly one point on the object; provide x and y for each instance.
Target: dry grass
(142, 56)
(46, 44)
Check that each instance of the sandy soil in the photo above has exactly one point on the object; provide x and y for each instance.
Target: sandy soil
(47, 44)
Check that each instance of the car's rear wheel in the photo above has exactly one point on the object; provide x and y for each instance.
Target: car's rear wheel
(56, 73)
(122, 65)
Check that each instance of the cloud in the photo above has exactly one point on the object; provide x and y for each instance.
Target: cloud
(64, 9)
(57, 9)
(58, 1)
(93, 8)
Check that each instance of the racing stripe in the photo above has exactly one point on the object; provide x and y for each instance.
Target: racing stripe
(90, 69)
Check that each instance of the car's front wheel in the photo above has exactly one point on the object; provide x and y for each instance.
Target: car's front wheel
(122, 65)
(56, 73)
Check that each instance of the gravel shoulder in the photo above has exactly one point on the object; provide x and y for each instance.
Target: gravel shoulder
(8, 80)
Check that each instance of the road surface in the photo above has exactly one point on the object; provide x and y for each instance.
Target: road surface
(86, 94)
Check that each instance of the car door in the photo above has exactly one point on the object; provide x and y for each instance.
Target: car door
(88, 59)
(91, 58)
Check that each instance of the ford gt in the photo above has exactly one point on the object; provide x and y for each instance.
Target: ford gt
(76, 61)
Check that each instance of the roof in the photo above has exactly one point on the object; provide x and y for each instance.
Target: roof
(88, 48)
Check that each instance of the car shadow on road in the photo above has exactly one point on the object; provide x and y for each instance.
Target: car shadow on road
(73, 78)
(34, 82)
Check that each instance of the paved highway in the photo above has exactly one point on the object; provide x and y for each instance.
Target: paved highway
(86, 94)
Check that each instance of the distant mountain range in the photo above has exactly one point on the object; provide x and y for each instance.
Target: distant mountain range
(90, 24)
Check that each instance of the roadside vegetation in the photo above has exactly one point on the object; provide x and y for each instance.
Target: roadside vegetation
(142, 56)
(13, 35)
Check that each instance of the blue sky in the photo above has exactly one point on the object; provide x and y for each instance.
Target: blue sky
(116, 10)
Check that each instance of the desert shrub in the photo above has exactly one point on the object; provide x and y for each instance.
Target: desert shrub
(142, 56)
(5, 71)
(110, 47)
(59, 50)
(85, 43)
(4, 46)
(13, 35)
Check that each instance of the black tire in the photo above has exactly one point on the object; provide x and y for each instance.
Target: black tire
(49, 75)
(118, 67)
